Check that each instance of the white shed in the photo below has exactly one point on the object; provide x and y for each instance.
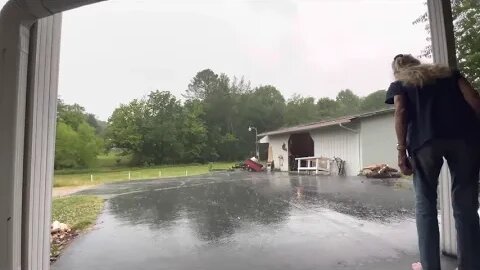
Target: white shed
(360, 140)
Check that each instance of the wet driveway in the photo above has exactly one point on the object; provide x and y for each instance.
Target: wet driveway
(250, 221)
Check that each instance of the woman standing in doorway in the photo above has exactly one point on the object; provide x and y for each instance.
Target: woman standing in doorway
(436, 117)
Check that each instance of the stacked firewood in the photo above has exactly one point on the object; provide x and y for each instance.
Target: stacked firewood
(380, 171)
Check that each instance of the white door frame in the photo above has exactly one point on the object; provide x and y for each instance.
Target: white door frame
(443, 50)
(29, 57)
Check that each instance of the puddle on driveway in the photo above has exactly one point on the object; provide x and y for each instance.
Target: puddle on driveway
(249, 221)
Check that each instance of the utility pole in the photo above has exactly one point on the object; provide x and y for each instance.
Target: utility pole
(257, 150)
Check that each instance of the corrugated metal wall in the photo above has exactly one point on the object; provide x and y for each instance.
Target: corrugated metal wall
(14, 47)
(40, 139)
(339, 142)
(280, 156)
(443, 51)
(378, 140)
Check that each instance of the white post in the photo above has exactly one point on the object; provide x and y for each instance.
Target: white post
(298, 168)
(316, 165)
(257, 150)
(91, 177)
(448, 232)
(186, 173)
(129, 175)
(159, 173)
(443, 50)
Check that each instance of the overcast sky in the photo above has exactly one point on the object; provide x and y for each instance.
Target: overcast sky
(115, 51)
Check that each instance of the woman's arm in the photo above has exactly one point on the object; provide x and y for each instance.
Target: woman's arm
(470, 94)
(401, 130)
(401, 121)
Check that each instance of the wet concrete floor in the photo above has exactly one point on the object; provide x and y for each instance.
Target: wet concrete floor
(239, 221)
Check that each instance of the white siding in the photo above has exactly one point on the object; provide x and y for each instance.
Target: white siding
(373, 142)
(448, 232)
(40, 140)
(14, 44)
(378, 140)
(443, 51)
(339, 142)
(280, 156)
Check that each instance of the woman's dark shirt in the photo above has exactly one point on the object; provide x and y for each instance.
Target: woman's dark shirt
(436, 111)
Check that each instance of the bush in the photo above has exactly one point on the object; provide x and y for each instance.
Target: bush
(76, 149)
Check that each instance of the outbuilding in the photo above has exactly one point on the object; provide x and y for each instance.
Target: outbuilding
(359, 140)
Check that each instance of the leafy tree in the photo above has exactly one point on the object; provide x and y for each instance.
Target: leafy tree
(218, 97)
(467, 33)
(77, 143)
(76, 149)
(264, 108)
(98, 125)
(88, 146)
(72, 115)
(220, 106)
(201, 85)
(374, 102)
(195, 133)
(300, 110)
(348, 102)
(125, 127)
(163, 126)
(154, 129)
(466, 14)
(240, 86)
(92, 121)
(66, 145)
(327, 108)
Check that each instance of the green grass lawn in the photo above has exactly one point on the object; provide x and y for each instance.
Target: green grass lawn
(79, 212)
(113, 160)
(114, 174)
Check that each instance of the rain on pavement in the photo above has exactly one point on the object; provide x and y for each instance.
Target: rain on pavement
(250, 221)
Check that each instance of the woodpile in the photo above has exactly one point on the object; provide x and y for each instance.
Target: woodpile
(60, 235)
(380, 171)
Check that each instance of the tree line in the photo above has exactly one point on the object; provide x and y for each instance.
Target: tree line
(211, 123)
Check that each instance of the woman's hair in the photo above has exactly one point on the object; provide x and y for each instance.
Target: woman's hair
(411, 72)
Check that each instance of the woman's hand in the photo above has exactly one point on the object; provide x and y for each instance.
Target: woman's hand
(404, 163)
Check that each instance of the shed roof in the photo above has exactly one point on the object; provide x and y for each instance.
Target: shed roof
(326, 123)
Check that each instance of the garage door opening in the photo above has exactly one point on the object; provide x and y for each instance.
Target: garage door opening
(299, 145)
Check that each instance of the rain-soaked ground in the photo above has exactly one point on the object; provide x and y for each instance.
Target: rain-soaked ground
(233, 221)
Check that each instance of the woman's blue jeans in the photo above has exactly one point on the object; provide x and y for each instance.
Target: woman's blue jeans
(463, 158)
